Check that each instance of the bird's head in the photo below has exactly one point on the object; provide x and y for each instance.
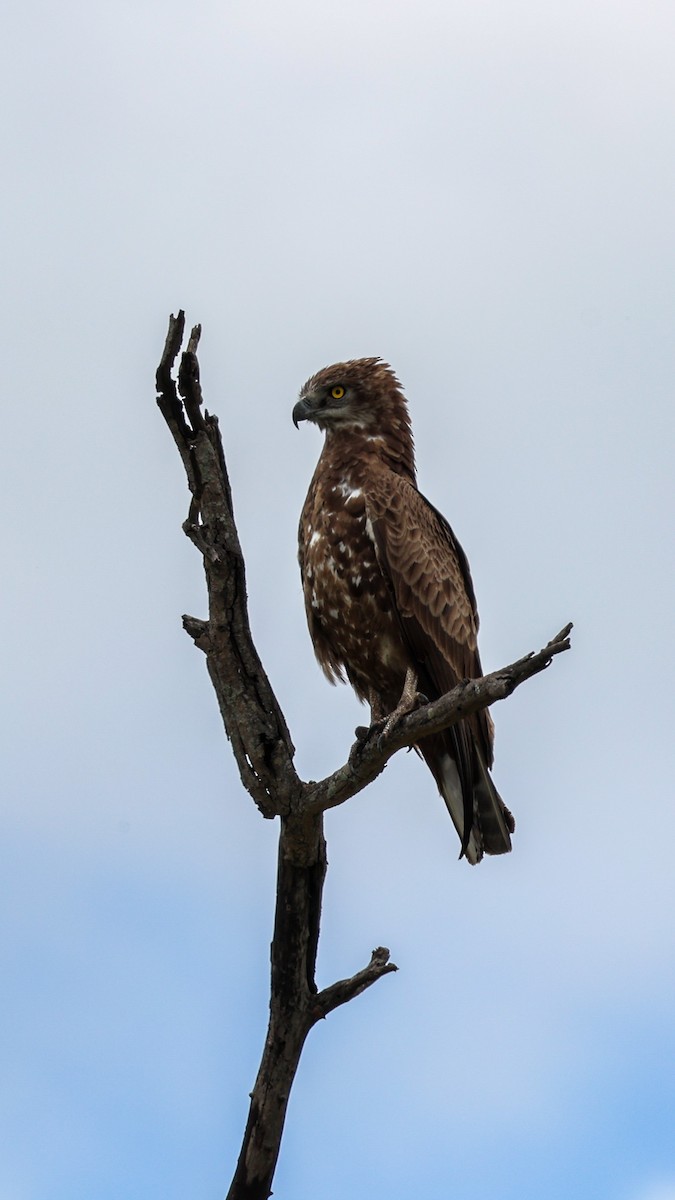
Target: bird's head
(350, 396)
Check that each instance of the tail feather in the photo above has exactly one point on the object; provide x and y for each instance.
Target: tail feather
(491, 822)
(496, 821)
(450, 787)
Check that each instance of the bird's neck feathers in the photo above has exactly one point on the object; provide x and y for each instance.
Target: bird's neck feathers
(387, 439)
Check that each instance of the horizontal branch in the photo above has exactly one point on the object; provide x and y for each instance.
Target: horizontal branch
(369, 755)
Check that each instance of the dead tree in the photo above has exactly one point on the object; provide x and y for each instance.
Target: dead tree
(263, 750)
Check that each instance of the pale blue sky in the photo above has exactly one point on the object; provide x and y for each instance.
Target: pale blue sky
(483, 194)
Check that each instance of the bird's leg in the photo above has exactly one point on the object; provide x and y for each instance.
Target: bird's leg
(377, 710)
(377, 717)
(382, 722)
(409, 700)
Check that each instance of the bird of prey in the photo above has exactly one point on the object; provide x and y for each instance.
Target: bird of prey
(388, 593)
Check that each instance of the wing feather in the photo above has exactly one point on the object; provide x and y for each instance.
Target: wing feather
(431, 584)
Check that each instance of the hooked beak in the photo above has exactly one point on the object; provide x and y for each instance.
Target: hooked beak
(302, 412)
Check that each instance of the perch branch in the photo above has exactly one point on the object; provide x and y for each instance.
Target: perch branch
(370, 754)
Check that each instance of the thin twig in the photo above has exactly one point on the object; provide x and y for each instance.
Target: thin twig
(346, 989)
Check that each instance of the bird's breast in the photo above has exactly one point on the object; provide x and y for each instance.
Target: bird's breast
(347, 594)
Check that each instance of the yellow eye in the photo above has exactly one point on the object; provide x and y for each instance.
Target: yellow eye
(337, 392)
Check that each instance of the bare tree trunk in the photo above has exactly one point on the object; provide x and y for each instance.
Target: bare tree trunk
(300, 881)
(264, 752)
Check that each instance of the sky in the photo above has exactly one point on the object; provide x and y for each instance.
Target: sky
(482, 194)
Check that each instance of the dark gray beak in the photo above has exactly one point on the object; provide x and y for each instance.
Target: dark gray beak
(302, 412)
